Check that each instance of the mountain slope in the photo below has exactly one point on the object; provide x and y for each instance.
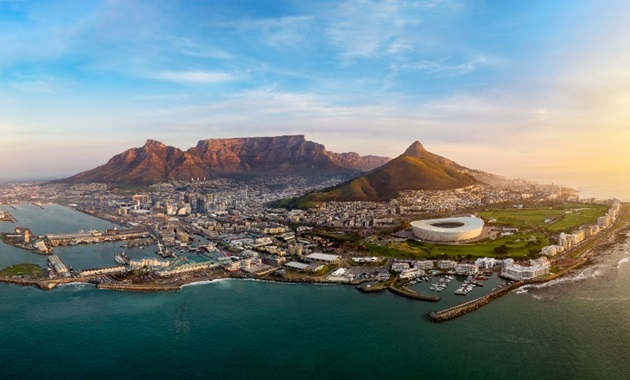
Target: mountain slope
(416, 169)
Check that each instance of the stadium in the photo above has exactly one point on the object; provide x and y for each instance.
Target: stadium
(448, 229)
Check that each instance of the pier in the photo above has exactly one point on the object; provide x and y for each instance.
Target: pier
(404, 291)
(371, 288)
(7, 217)
(456, 311)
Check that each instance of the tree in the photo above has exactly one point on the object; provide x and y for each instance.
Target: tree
(502, 249)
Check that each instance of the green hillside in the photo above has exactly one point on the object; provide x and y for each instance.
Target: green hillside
(417, 169)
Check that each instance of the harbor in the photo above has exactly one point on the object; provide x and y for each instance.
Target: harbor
(144, 264)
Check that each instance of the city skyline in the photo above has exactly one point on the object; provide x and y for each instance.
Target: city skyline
(532, 89)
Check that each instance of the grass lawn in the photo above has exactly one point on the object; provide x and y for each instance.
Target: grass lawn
(516, 246)
(531, 224)
(33, 270)
(567, 217)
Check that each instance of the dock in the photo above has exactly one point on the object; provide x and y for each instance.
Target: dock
(456, 311)
(408, 293)
(8, 217)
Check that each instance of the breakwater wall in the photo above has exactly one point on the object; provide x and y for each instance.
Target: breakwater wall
(408, 293)
(43, 284)
(456, 311)
(8, 217)
(20, 281)
(140, 288)
(371, 288)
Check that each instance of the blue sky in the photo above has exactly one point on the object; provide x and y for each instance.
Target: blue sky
(514, 87)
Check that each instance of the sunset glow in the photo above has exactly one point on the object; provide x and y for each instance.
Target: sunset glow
(533, 89)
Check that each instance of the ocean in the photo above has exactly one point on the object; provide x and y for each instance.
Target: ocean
(575, 327)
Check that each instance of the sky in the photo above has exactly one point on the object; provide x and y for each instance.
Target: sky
(537, 89)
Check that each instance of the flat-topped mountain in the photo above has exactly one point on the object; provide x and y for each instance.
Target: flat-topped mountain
(235, 157)
(415, 169)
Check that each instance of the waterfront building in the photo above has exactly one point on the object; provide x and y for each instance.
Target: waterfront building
(300, 267)
(58, 266)
(188, 267)
(486, 262)
(446, 264)
(604, 221)
(25, 234)
(41, 246)
(107, 270)
(324, 258)
(149, 262)
(412, 273)
(536, 268)
(400, 266)
(425, 264)
(550, 250)
(466, 269)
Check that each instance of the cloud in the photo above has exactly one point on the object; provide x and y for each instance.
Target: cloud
(201, 50)
(47, 85)
(194, 77)
(370, 29)
(160, 96)
(365, 29)
(448, 68)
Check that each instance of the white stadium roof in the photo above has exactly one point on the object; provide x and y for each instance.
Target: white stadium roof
(448, 229)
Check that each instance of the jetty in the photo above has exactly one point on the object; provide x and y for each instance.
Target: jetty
(375, 288)
(8, 217)
(404, 291)
(456, 311)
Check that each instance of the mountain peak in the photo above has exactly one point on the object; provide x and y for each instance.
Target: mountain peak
(416, 169)
(415, 150)
(154, 144)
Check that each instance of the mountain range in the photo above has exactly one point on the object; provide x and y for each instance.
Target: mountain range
(234, 157)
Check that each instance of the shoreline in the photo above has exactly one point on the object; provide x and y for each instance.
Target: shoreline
(612, 236)
(214, 276)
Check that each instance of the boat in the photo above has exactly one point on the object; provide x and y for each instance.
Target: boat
(121, 258)
(460, 291)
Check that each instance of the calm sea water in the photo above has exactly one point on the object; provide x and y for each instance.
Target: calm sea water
(578, 327)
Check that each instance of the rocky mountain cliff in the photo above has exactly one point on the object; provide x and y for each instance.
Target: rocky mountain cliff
(236, 157)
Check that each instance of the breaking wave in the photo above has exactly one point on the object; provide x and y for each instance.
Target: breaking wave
(623, 261)
(205, 282)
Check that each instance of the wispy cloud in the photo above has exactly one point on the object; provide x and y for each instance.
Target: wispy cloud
(277, 32)
(447, 68)
(160, 96)
(194, 77)
(201, 50)
(46, 85)
(372, 29)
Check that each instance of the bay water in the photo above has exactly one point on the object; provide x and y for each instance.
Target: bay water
(576, 327)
